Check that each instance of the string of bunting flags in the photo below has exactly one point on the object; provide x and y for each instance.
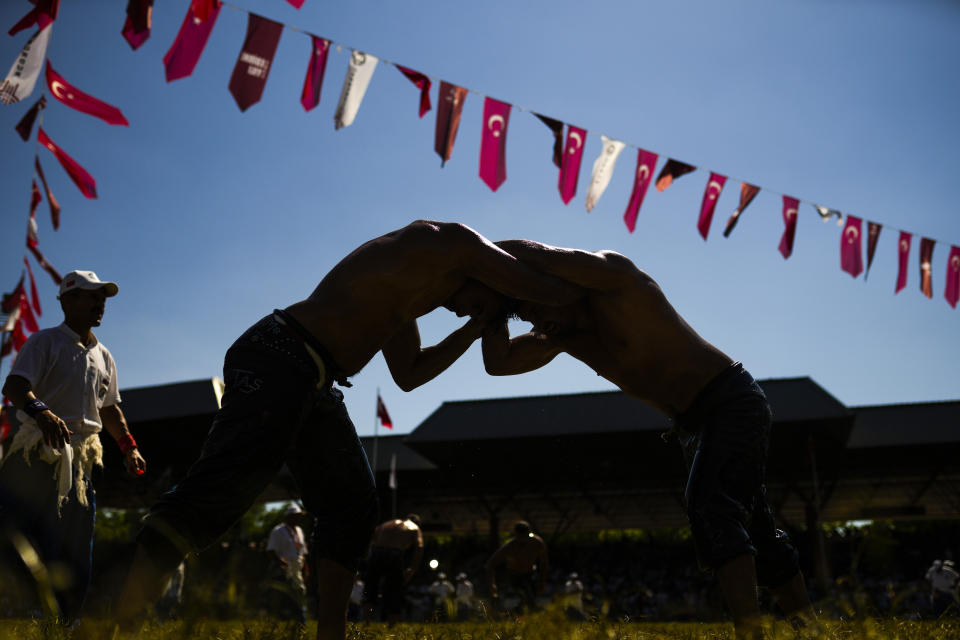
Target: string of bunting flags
(248, 81)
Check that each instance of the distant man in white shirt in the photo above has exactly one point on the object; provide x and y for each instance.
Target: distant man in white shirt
(64, 385)
(943, 586)
(573, 597)
(466, 597)
(289, 546)
(442, 592)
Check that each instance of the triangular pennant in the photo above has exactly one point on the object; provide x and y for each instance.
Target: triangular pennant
(256, 57)
(319, 50)
(646, 164)
(136, 28)
(851, 254)
(710, 196)
(747, 193)
(54, 205)
(493, 146)
(556, 127)
(23, 74)
(603, 170)
(791, 207)
(25, 126)
(184, 54)
(82, 102)
(423, 83)
(450, 99)
(672, 170)
(77, 173)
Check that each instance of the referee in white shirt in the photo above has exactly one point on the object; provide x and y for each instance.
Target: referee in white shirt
(64, 385)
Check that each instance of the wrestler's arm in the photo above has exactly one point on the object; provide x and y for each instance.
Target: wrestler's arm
(116, 425)
(19, 391)
(411, 365)
(415, 558)
(599, 271)
(495, 561)
(506, 356)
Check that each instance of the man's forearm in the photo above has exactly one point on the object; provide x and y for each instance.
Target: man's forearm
(434, 360)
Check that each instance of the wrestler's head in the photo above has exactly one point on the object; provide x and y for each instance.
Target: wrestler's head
(480, 302)
(547, 320)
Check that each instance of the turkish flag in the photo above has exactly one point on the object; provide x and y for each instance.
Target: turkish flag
(25, 126)
(790, 208)
(253, 64)
(382, 413)
(926, 266)
(35, 198)
(54, 274)
(26, 313)
(450, 99)
(81, 178)
(11, 301)
(952, 292)
(54, 205)
(296, 3)
(903, 253)
(570, 165)
(34, 296)
(423, 83)
(185, 52)
(83, 102)
(646, 163)
(557, 128)
(41, 15)
(873, 234)
(310, 96)
(747, 193)
(851, 255)
(672, 170)
(136, 29)
(710, 196)
(493, 146)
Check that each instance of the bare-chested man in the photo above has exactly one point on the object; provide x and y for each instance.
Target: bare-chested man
(279, 405)
(625, 329)
(395, 555)
(524, 557)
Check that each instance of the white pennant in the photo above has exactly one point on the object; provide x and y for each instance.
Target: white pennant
(603, 170)
(26, 68)
(362, 66)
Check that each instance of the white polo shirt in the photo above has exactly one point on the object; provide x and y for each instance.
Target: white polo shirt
(73, 379)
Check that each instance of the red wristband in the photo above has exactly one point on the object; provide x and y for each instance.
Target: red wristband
(126, 443)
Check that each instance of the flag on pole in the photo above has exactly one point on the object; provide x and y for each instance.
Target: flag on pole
(82, 102)
(646, 163)
(926, 266)
(54, 205)
(43, 13)
(952, 292)
(34, 296)
(360, 70)
(570, 163)
(184, 54)
(851, 255)
(747, 193)
(603, 170)
(556, 127)
(23, 74)
(25, 126)
(873, 234)
(903, 253)
(253, 64)
(423, 83)
(78, 174)
(450, 99)
(392, 482)
(136, 28)
(790, 209)
(493, 146)
(710, 196)
(319, 50)
(382, 413)
(672, 170)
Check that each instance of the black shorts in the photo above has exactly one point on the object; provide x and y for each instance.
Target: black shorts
(384, 577)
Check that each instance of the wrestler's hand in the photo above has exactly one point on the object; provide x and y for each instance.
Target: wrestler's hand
(136, 465)
(55, 432)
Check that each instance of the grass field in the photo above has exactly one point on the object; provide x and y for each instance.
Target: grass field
(542, 626)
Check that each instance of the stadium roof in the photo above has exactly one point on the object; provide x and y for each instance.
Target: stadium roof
(890, 425)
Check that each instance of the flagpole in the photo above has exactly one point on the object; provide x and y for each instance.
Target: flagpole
(376, 432)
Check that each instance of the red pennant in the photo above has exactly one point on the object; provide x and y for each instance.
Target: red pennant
(851, 255)
(423, 83)
(710, 196)
(25, 126)
(11, 301)
(672, 170)
(83, 102)
(136, 29)
(926, 266)
(450, 99)
(382, 414)
(790, 207)
(310, 96)
(78, 174)
(557, 128)
(296, 3)
(903, 252)
(646, 163)
(493, 147)
(253, 65)
(185, 51)
(41, 15)
(570, 165)
(17, 338)
(54, 205)
(26, 314)
(34, 296)
(35, 199)
(747, 193)
(54, 274)
(952, 292)
(873, 234)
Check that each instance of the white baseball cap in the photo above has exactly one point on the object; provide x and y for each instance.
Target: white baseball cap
(292, 510)
(86, 280)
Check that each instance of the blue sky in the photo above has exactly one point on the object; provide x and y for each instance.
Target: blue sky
(208, 218)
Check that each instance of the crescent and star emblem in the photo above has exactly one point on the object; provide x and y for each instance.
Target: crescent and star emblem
(59, 90)
(643, 173)
(904, 246)
(492, 121)
(852, 237)
(791, 213)
(955, 263)
(577, 142)
(710, 189)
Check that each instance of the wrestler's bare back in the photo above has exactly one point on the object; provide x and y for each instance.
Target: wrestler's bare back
(396, 534)
(520, 555)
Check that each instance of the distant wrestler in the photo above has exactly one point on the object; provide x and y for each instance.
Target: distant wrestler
(280, 406)
(524, 556)
(395, 555)
(625, 329)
